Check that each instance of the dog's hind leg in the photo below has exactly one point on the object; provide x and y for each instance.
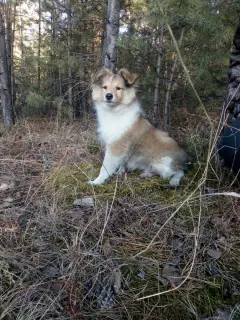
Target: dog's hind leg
(176, 178)
(122, 170)
(110, 165)
(165, 170)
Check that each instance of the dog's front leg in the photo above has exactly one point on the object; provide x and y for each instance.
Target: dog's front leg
(110, 165)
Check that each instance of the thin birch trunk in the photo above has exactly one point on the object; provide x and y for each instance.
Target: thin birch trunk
(60, 81)
(104, 35)
(158, 77)
(166, 113)
(84, 92)
(109, 55)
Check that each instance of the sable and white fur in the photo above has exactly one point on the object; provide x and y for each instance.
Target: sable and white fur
(131, 141)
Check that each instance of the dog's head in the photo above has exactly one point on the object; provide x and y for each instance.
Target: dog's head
(114, 89)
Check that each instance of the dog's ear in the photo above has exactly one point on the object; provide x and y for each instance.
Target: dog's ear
(130, 78)
(97, 77)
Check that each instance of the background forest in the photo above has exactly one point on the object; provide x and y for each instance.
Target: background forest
(54, 46)
(131, 248)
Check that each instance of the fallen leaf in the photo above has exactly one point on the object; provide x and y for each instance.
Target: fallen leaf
(216, 221)
(171, 273)
(174, 262)
(106, 248)
(4, 187)
(117, 283)
(165, 282)
(5, 205)
(51, 272)
(215, 254)
(219, 315)
(209, 190)
(142, 275)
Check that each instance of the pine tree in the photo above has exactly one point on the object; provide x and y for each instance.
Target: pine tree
(5, 84)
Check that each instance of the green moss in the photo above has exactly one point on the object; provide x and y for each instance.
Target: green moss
(72, 180)
(93, 146)
(203, 300)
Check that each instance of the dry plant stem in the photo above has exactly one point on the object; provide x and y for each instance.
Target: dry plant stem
(108, 213)
(196, 236)
(42, 184)
(186, 71)
(152, 243)
(169, 219)
(20, 161)
(228, 194)
(202, 181)
(210, 145)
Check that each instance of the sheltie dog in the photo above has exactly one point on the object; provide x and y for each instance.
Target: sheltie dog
(130, 140)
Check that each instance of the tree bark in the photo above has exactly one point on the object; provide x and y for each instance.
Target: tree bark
(69, 42)
(5, 84)
(39, 46)
(109, 56)
(158, 76)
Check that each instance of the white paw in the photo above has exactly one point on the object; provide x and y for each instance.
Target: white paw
(96, 181)
(174, 182)
(146, 174)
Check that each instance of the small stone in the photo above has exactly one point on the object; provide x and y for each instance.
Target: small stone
(84, 202)
(8, 199)
(5, 205)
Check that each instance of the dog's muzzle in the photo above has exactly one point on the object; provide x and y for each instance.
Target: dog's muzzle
(109, 96)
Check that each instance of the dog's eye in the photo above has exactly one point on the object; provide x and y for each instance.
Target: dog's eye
(105, 87)
(118, 88)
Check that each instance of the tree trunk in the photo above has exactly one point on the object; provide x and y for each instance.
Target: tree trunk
(109, 56)
(157, 81)
(69, 35)
(84, 92)
(21, 32)
(5, 84)
(166, 112)
(39, 46)
(11, 46)
(104, 35)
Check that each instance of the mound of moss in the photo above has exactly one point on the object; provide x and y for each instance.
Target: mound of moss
(71, 181)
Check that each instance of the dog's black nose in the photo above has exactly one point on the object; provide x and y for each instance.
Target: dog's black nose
(109, 96)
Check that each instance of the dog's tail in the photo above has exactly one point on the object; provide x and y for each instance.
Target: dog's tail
(184, 160)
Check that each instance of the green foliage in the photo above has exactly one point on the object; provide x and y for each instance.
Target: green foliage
(69, 56)
(93, 146)
(36, 104)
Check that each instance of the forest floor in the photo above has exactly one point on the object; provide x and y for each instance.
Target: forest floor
(130, 249)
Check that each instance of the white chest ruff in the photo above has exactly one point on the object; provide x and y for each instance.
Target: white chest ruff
(113, 123)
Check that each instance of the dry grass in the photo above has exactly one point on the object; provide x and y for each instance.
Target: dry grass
(139, 239)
